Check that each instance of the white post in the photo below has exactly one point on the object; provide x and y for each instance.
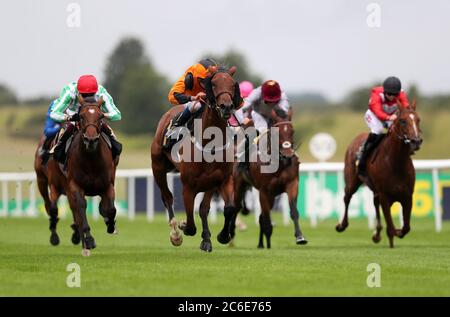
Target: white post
(32, 209)
(95, 207)
(284, 200)
(312, 213)
(5, 198)
(131, 198)
(257, 205)
(437, 201)
(340, 190)
(19, 203)
(150, 202)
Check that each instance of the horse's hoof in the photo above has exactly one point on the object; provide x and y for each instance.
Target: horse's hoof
(340, 227)
(54, 239)
(86, 252)
(115, 232)
(190, 231)
(260, 246)
(376, 238)
(76, 238)
(223, 238)
(90, 243)
(231, 243)
(399, 233)
(182, 225)
(301, 241)
(206, 245)
(176, 240)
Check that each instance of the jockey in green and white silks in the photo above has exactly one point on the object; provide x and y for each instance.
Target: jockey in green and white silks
(66, 107)
(67, 104)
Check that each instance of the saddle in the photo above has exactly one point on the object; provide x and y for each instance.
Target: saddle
(373, 149)
(189, 124)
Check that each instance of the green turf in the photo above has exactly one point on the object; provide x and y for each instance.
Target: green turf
(141, 261)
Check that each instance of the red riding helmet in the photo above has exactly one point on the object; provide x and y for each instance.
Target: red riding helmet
(271, 91)
(87, 84)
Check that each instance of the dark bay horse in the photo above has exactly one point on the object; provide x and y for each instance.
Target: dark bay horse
(223, 97)
(51, 184)
(285, 179)
(90, 172)
(390, 172)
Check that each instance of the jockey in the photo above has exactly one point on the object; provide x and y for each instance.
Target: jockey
(383, 103)
(262, 100)
(51, 129)
(189, 91)
(260, 104)
(66, 108)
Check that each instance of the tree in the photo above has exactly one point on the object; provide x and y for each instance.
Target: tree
(128, 53)
(143, 99)
(7, 96)
(234, 58)
(358, 99)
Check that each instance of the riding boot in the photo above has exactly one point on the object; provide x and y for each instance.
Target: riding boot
(44, 150)
(243, 164)
(59, 151)
(171, 135)
(116, 146)
(367, 149)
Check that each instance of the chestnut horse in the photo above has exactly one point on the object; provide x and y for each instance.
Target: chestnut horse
(90, 172)
(52, 184)
(223, 97)
(283, 180)
(390, 172)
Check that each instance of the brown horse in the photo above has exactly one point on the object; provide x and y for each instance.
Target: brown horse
(271, 184)
(223, 97)
(90, 172)
(52, 184)
(390, 172)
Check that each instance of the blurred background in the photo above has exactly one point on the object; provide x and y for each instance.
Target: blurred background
(327, 55)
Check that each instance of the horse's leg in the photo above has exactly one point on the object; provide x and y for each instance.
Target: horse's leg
(204, 211)
(292, 192)
(239, 195)
(176, 238)
(78, 205)
(351, 186)
(266, 200)
(261, 234)
(42, 183)
(386, 206)
(108, 210)
(406, 207)
(227, 193)
(189, 227)
(53, 213)
(376, 235)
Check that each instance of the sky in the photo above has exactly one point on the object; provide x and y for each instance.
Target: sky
(325, 46)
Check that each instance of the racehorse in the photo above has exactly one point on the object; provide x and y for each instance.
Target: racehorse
(52, 184)
(390, 172)
(90, 171)
(222, 98)
(271, 184)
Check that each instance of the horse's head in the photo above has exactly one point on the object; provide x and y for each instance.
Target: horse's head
(286, 139)
(90, 121)
(407, 127)
(222, 91)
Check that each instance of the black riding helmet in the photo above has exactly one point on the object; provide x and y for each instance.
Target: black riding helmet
(392, 85)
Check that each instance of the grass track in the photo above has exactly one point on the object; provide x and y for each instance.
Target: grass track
(141, 261)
